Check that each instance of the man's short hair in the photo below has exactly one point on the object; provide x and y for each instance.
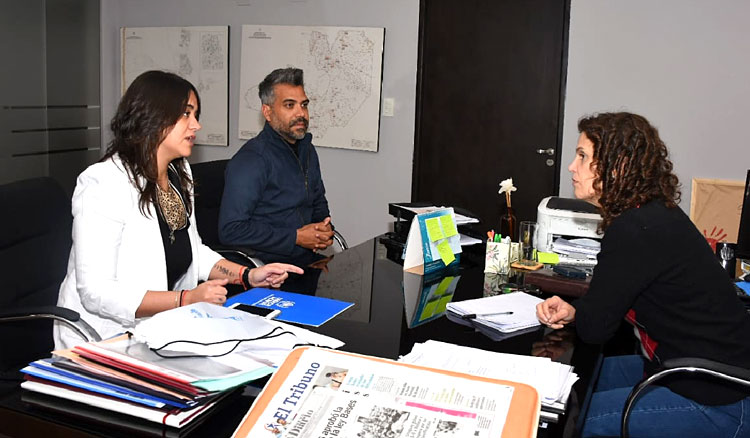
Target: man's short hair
(290, 76)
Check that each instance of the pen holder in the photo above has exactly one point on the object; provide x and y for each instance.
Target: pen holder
(497, 258)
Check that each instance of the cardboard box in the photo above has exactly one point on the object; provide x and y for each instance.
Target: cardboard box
(715, 208)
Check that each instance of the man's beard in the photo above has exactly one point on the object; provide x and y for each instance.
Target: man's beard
(296, 134)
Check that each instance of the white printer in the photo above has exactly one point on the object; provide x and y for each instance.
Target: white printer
(568, 218)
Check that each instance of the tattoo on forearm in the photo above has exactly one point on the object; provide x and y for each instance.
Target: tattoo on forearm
(228, 273)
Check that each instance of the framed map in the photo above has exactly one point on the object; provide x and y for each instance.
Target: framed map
(198, 54)
(343, 71)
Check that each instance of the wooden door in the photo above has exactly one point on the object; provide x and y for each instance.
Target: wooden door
(489, 96)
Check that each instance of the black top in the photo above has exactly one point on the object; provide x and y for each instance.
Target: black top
(295, 148)
(657, 270)
(178, 253)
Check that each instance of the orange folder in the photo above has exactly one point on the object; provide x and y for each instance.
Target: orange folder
(522, 419)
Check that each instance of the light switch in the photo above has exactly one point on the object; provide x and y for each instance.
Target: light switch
(388, 104)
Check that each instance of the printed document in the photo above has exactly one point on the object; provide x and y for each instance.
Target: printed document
(552, 380)
(330, 394)
(505, 313)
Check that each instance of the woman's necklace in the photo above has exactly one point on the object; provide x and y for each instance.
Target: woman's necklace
(172, 209)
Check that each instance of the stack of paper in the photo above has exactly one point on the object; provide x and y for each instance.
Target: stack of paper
(577, 248)
(112, 375)
(460, 219)
(552, 380)
(176, 367)
(502, 313)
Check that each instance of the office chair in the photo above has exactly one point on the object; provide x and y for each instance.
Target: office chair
(208, 179)
(339, 244)
(208, 183)
(35, 241)
(740, 376)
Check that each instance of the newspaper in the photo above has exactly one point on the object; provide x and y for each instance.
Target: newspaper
(330, 394)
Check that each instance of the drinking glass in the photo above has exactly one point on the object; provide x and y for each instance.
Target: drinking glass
(526, 236)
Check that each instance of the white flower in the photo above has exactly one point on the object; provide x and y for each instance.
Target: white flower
(506, 186)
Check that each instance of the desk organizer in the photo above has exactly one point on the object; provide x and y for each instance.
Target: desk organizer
(497, 258)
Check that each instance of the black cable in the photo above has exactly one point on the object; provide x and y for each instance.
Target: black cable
(269, 335)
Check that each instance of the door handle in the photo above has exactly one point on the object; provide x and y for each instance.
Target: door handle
(549, 151)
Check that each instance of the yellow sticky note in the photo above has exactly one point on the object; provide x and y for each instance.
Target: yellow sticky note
(449, 226)
(434, 231)
(549, 258)
(446, 253)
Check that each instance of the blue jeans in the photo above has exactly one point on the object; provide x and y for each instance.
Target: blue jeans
(658, 412)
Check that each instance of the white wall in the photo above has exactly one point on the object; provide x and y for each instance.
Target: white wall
(683, 64)
(359, 184)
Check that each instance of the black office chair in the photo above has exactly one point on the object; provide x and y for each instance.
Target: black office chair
(740, 376)
(208, 179)
(338, 246)
(35, 241)
(208, 182)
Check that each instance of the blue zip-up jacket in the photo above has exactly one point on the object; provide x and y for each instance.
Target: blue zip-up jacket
(269, 193)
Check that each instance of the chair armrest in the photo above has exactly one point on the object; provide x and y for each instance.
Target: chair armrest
(68, 317)
(707, 366)
(679, 365)
(62, 312)
(340, 240)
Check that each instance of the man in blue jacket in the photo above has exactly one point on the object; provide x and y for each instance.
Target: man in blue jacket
(274, 199)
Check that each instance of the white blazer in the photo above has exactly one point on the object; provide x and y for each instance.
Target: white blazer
(117, 254)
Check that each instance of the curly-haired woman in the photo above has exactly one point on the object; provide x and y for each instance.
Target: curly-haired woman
(656, 271)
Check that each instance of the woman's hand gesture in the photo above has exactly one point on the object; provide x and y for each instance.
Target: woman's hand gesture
(272, 274)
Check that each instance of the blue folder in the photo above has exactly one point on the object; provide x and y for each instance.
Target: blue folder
(43, 369)
(297, 308)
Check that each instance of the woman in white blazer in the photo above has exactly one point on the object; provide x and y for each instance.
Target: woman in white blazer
(136, 249)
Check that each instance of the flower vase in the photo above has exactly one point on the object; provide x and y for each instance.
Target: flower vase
(508, 224)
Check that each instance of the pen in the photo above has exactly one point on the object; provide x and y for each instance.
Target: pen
(475, 315)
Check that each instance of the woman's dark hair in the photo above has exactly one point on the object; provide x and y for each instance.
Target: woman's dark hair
(632, 165)
(151, 106)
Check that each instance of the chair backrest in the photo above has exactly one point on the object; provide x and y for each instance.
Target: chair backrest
(35, 241)
(208, 179)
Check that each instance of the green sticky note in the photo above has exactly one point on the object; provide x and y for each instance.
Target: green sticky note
(446, 253)
(429, 310)
(448, 225)
(548, 258)
(434, 231)
(443, 286)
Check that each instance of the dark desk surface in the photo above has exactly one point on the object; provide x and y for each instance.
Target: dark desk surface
(377, 325)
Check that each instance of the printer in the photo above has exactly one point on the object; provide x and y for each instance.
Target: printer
(567, 218)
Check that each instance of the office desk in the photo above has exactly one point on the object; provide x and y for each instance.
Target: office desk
(377, 325)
